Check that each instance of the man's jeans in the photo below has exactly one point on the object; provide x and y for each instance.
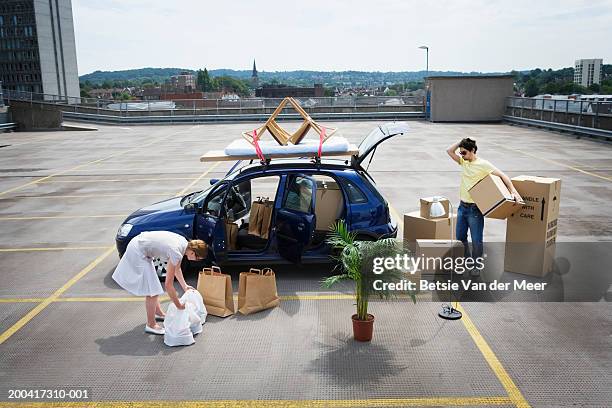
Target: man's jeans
(470, 217)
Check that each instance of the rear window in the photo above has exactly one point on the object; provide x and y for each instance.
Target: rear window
(355, 195)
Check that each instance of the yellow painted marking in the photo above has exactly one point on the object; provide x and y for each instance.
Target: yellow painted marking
(107, 299)
(46, 178)
(558, 163)
(183, 191)
(376, 402)
(41, 306)
(502, 375)
(52, 217)
(56, 295)
(154, 166)
(116, 180)
(21, 300)
(96, 195)
(34, 249)
(164, 298)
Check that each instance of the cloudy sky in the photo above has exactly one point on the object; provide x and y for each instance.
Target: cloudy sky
(333, 35)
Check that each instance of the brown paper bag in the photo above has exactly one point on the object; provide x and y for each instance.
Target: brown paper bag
(257, 291)
(231, 235)
(216, 290)
(255, 218)
(265, 218)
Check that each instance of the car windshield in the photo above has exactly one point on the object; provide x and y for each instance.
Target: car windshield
(198, 196)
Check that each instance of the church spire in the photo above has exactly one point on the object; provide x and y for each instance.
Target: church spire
(254, 77)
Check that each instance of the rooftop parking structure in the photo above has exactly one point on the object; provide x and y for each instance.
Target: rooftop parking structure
(65, 324)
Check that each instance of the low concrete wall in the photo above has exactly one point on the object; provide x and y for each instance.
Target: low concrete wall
(35, 116)
(469, 99)
(568, 118)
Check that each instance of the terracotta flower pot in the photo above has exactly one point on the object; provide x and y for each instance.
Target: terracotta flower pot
(363, 329)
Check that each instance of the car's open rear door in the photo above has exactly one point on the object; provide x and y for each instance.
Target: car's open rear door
(378, 135)
(296, 220)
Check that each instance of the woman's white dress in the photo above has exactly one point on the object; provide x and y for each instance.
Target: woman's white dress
(135, 271)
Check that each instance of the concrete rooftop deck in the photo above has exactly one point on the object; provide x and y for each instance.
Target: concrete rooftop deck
(65, 324)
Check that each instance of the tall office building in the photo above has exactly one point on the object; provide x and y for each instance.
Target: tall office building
(588, 71)
(37, 49)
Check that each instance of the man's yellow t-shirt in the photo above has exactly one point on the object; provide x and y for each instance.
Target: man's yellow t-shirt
(472, 172)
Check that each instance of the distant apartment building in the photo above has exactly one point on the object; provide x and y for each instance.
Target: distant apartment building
(282, 91)
(183, 82)
(37, 48)
(588, 71)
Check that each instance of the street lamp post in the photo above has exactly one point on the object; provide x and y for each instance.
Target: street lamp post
(426, 48)
(427, 100)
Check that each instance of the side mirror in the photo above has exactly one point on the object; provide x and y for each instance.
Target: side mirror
(213, 181)
(190, 207)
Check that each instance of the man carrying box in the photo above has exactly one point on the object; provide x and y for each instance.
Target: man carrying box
(469, 217)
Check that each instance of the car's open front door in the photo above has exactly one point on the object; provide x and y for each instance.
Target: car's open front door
(295, 220)
(209, 225)
(377, 136)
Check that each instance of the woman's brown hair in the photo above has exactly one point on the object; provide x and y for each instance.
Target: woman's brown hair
(199, 247)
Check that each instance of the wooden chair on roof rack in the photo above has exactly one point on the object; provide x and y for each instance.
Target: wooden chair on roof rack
(281, 135)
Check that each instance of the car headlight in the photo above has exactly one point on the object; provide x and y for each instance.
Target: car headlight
(124, 230)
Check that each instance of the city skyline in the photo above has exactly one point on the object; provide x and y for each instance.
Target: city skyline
(482, 36)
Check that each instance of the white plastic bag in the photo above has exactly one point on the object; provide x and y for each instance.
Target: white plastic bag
(177, 325)
(195, 298)
(181, 325)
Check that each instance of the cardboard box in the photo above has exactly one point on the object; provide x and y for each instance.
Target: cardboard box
(328, 207)
(531, 232)
(437, 249)
(493, 198)
(417, 227)
(426, 205)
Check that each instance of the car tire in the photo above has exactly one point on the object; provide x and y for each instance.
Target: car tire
(160, 267)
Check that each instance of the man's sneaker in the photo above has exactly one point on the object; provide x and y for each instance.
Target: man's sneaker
(475, 273)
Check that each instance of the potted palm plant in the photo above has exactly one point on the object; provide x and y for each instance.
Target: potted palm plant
(355, 259)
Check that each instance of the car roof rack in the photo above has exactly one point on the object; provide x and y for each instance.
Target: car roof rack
(219, 155)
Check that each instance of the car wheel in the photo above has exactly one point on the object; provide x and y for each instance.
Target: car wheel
(160, 267)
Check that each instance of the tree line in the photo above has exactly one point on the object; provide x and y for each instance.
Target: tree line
(559, 82)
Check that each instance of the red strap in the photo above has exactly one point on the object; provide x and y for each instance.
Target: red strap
(321, 138)
(257, 148)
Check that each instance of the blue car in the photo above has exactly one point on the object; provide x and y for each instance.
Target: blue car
(304, 198)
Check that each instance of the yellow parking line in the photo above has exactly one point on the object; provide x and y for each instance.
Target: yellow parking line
(183, 191)
(503, 376)
(154, 166)
(377, 402)
(165, 193)
(54, 297)
(106, 299)
(513, 392)
(116, 180)
(43, 305)
(34, 249)
(51, 217)
(558, 163)
(42, 179)
(21, 300)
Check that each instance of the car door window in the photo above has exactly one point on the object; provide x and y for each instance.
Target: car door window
(215, 201)
(299, 194)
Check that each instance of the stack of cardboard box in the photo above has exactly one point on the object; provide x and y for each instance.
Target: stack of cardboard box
(434, 253)
(531, 226)
(531, 233)
(493, 198)
(420, 225)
